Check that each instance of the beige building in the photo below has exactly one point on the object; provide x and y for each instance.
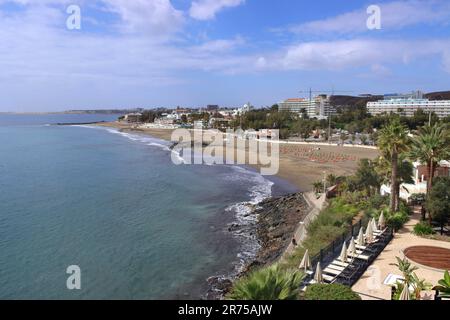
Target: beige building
(319, 107)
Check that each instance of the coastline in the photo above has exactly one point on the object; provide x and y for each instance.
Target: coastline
(296, 165)
(264, 228)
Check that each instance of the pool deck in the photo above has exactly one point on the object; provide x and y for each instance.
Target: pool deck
(371, 286)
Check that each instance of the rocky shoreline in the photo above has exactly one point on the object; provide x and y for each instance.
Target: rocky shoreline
(277, 221)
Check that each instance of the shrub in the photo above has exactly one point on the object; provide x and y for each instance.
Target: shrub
(417, 198)
(397, 220)
(330, 292)
(423, 229)
(444, 286)
(271, 283)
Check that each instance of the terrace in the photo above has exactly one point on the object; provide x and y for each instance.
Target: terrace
(346, 259)
(374, 283)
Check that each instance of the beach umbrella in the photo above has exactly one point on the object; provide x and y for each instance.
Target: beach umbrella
(306, 262)
(318, 277)
(369, 233)
(405, 293)
(361, 241)
(382, 221)
(352, 247)
(343, 255)
(374, 225)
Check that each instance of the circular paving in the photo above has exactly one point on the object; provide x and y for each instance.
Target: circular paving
(434, 257)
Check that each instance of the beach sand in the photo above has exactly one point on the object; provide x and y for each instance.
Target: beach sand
(301, 165)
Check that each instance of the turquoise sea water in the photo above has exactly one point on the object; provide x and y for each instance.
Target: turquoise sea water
(138, 226)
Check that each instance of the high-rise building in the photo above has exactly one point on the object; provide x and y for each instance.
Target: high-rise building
(319, 107)
(408, 104)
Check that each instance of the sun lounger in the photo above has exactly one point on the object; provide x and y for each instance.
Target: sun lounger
(332, 271)
(328, 278)
(360, 256)
(340, 263)
(335, 267)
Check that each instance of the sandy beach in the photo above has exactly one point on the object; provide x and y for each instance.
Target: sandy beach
(301, 165)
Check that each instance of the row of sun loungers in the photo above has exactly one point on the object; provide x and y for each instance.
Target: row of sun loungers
(338, 268)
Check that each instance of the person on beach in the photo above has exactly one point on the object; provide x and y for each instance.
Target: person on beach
(294, 242)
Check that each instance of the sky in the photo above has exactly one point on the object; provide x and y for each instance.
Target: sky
(168, 53)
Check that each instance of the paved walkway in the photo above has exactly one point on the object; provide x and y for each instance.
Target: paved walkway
(316, 206)
(371, 286)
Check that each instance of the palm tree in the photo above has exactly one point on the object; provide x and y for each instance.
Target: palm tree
(393, 140)
(430, 146)
(331, 180)
(318, 186)
(405, 171)
(272, 283)
(406, 268)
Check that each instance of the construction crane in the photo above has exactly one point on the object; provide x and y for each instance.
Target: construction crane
(311, 91)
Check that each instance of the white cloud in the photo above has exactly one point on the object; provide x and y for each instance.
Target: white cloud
(394, 15)
(154, 16)
(207, 9)
(220, 46)
(347, 54)
(44, 65)
(380, 70)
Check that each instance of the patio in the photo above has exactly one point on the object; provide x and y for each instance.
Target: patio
(371, 285)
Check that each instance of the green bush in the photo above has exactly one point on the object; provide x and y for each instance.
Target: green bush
(376, 201)
(423, 229)
(330, 292)
(397, 220)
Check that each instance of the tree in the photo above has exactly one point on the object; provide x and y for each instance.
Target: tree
(393, 140)
(366, 176)
(438, 202)
(406, 268)
(405, 171)
(331, 180)
(410, 279)
(344, 137)
(318, 186)
(272, 283)
(364, 139)
(430, 146)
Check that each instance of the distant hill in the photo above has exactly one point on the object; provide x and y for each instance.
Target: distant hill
(443, 95)
(103, 111)
(351, 101)
(354, 102)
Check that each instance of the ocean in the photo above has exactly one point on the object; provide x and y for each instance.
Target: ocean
(113, 204)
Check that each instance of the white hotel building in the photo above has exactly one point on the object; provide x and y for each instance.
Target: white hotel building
(407, 105)
(319, 107)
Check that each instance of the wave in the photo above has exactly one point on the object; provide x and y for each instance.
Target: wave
(147, 140)
(246, 221)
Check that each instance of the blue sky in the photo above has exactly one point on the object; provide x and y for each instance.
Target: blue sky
(165, 53)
